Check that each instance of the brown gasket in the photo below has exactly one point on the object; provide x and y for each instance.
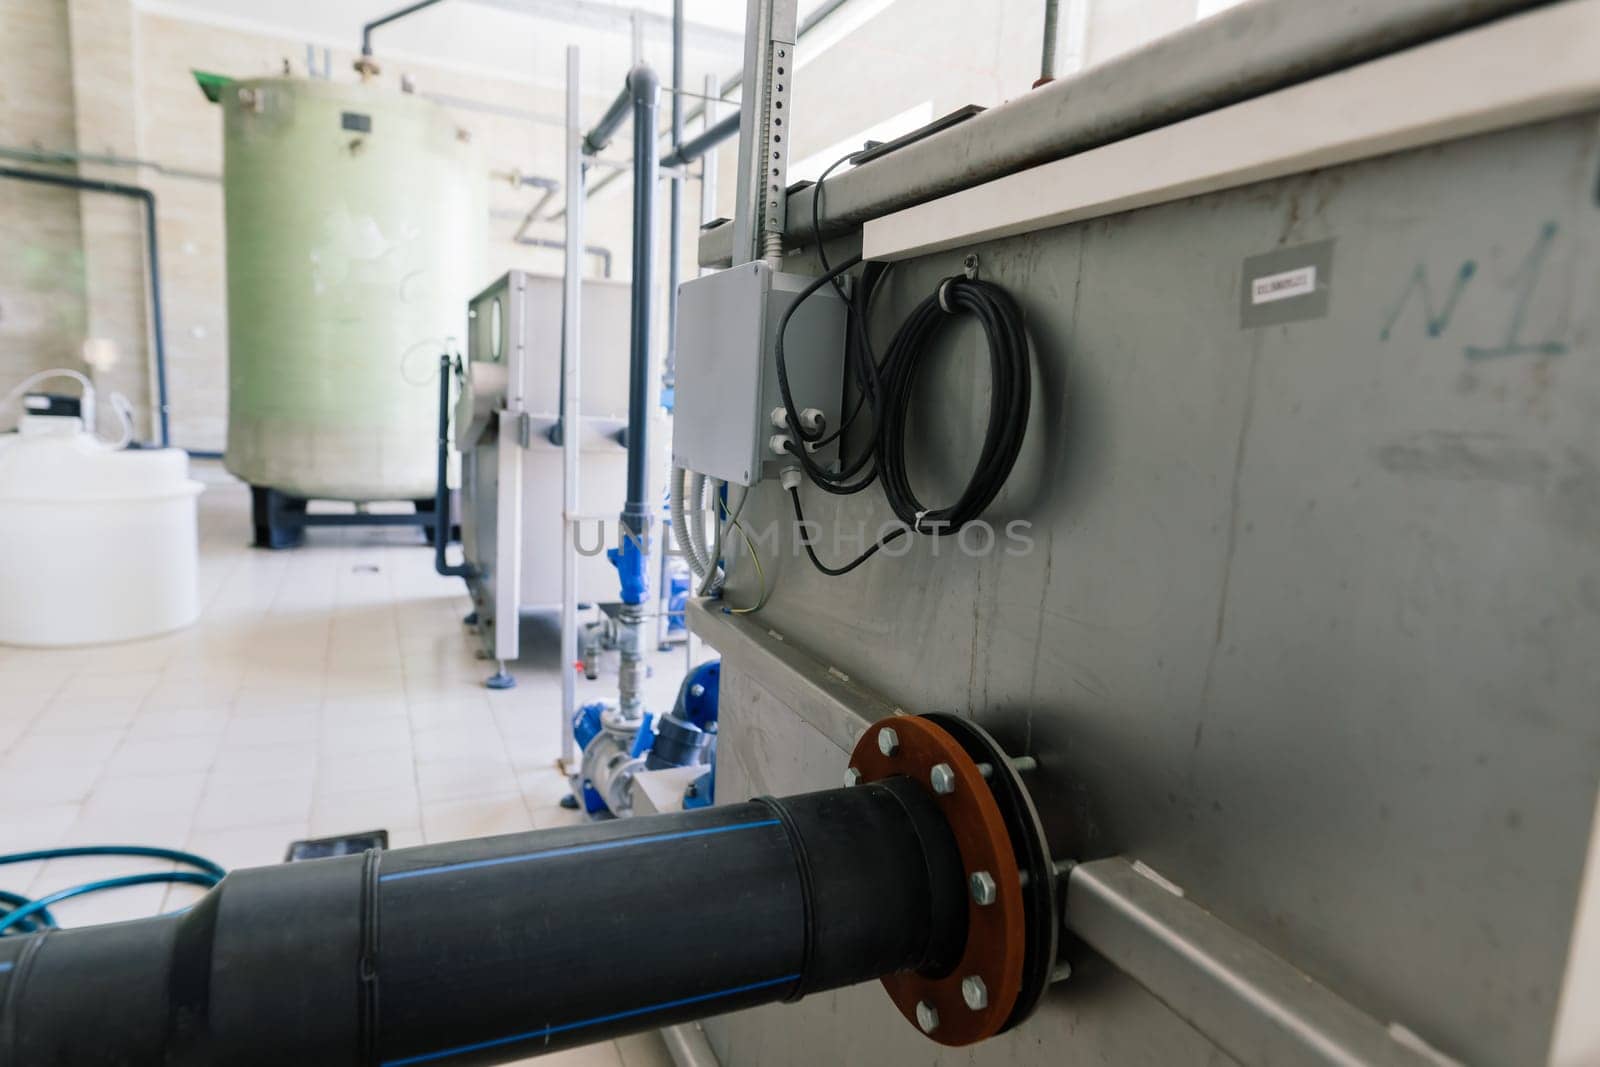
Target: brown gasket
(996, 933)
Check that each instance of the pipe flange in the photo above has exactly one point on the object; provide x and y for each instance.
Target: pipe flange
(1032, 851)
(997, 952)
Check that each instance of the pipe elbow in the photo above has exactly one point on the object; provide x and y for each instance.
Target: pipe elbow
(645, 84)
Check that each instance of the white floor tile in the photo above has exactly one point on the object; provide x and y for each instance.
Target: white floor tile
(644, 1050)
(164, 755)
(478, 817)
(315, 697)
(253, 804)
(377, 809)
(138, 795)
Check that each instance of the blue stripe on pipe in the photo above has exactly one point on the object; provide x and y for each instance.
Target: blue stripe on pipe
(459, 1050)
(575, 850)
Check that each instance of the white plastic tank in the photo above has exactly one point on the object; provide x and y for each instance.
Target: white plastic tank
(96, 544)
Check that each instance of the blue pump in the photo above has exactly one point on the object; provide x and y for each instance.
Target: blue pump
(686, 737)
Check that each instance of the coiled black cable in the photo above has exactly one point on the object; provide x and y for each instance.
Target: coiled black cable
(885, 388)
(1010, 396)
(893, 381)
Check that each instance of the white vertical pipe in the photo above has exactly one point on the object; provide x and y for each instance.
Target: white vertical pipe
(571, 432)
(708, 162)
(1074, 38)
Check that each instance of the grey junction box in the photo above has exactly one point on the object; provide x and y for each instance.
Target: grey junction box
(727, 370)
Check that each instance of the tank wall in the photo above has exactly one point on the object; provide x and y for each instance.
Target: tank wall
(1305, 615)
(355, 229)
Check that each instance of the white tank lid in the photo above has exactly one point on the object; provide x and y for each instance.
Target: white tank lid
(48, 461)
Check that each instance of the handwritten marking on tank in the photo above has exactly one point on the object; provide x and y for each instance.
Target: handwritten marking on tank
(1522, 283)
(1436, 322)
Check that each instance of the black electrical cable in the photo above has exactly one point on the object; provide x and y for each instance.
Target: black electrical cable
(834, 483)
(886, 388)
(859, 354)
(1011, 395)
(834, 572)
(859, 348)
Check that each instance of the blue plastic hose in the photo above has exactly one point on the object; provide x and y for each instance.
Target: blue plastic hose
(21, 915)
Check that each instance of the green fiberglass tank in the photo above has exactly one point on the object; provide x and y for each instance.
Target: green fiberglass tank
(355, 223)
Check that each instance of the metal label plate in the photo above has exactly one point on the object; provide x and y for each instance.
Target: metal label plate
(1286, 285)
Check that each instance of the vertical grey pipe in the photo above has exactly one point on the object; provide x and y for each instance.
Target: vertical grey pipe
(646, 91)
(669, 376)
(1047, 58)
(153, 258)
(157, 328)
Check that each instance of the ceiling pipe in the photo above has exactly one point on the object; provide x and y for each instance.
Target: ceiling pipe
(365, 65)
(809, 23)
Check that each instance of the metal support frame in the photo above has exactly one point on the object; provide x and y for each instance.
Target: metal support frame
(1220, 61)
(443, 524)
(763, 133)
(669, 370)
(280, 519)
(1246, 999)
(571, 381)
(675, 201)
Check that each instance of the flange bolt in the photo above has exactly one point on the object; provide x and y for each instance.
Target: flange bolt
(943, 779)
(983, 888)
(888, 741)
(851, 777)
(974, 992)
(927, 1017)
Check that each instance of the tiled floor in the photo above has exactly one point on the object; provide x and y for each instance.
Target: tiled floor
(329, 689)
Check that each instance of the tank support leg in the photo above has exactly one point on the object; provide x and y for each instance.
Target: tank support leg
(501, 678)
(268, 510)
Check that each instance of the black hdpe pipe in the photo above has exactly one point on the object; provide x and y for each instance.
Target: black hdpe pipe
(499, 948)
(641, 97)
(441, 484)
(147, 200)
